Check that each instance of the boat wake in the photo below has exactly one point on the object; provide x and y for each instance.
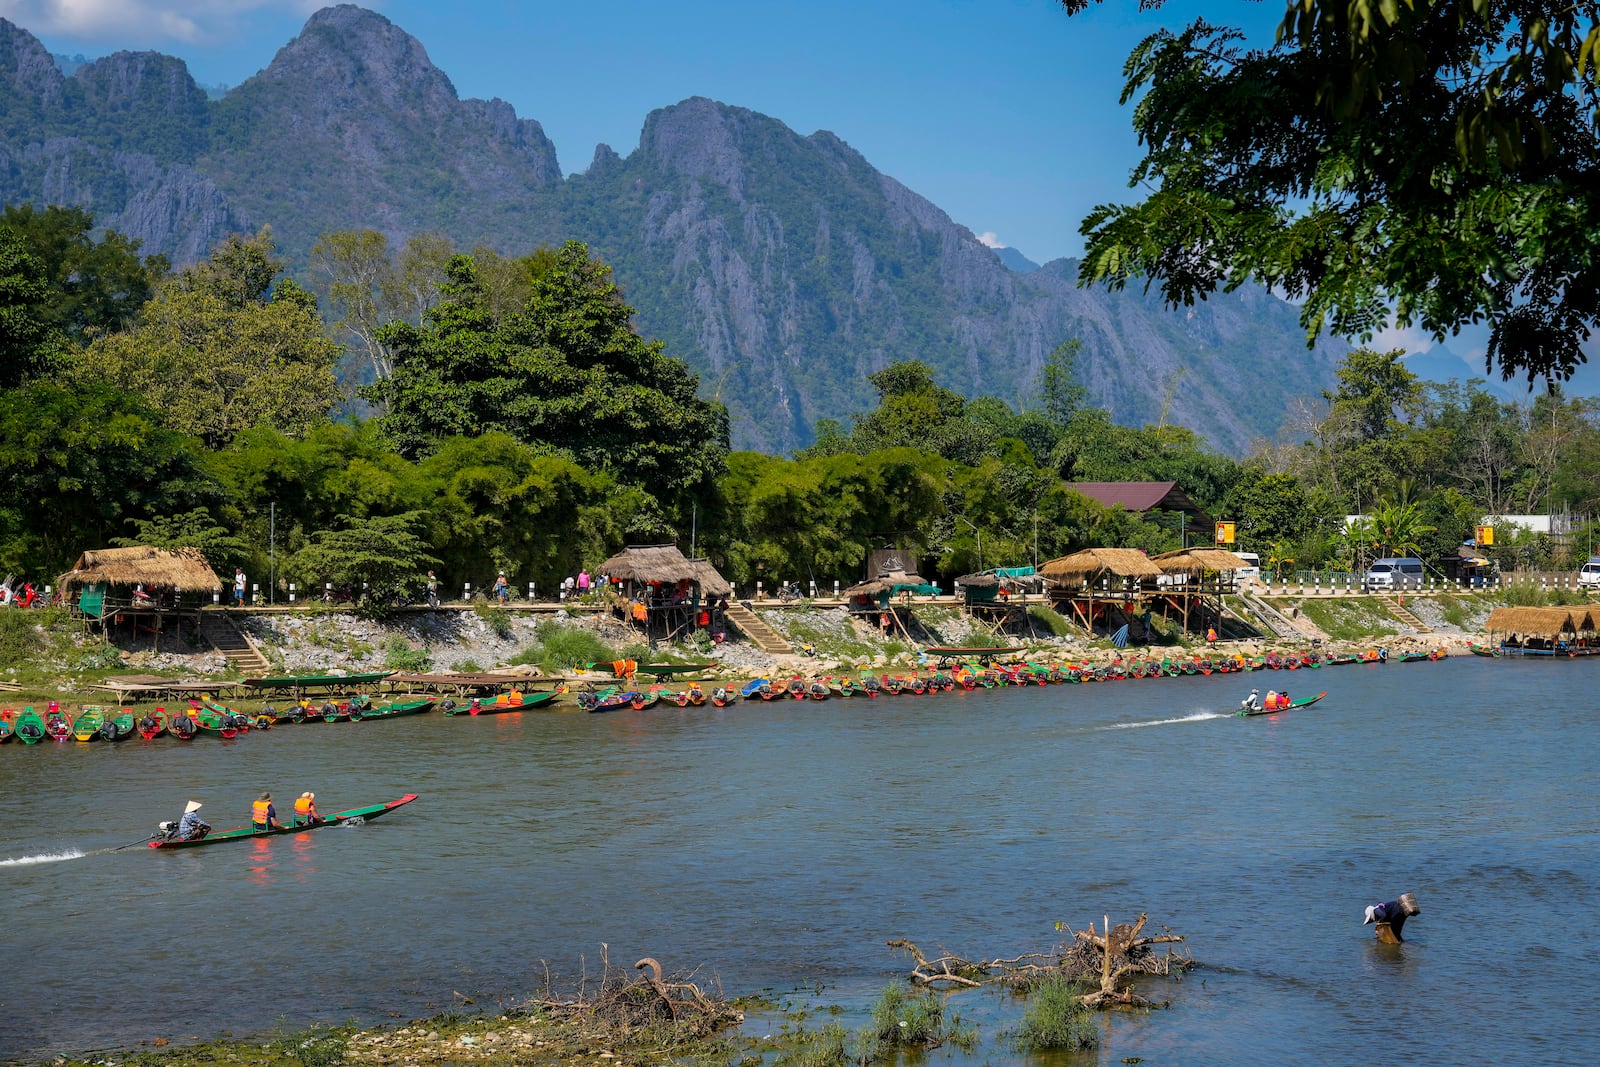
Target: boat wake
(1198, 716)
(46, 857)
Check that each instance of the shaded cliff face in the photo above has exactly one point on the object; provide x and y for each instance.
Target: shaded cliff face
(791, 269)
(783, 267)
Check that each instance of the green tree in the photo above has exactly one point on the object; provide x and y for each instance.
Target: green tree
(221, 547)
(568, 372)
(80, 464)
(30, 345)
(1060, 392)
(380, 558)
(94, 285)
(220, 350)
(369, 285)
(1433, 157)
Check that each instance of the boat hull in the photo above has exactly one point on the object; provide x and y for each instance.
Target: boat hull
(245, 833)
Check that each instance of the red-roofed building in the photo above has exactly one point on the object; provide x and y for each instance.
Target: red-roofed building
(1144, 496)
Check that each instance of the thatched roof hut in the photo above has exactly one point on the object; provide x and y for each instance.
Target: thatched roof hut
(1092, 563)
(1189, 560)
(1539, 622)
(184, 569)
(650, 563)
(982, 580)
(711, 582)
(664, 563)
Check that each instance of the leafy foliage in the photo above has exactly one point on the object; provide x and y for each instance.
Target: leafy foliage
(379, 558)
(195, 529)
(1056, 1018)
(219, 351)
(1437, 156)
(92, 286)
(568, 372)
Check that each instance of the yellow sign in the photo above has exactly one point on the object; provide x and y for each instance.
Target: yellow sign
(1224, 533)
(1483, 535)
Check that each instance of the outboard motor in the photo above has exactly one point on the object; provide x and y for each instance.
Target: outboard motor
(108, 730)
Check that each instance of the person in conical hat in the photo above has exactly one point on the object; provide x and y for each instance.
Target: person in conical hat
(191, 826)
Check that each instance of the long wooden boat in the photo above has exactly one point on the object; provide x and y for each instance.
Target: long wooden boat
(152, 725)
(1483, 650)
(211, 720)
(1303, 702)
(971, 650)
(8, 724)
(722, 696)
(182, 726)
(30, 727)
(86, 724)
(245, 833)
(315, 681)
(392, 709)
(497, 706)
(118, 727)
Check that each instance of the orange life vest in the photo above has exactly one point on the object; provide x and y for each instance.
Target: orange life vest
(303, 805)
(259, 811)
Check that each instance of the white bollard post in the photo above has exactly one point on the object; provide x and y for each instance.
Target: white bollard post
(327, 591)
(466, 590)
(291, 592)
(530, 592)
(813, 589)
(836, 589)
(758, 589)
(255, 593)
(216, 596)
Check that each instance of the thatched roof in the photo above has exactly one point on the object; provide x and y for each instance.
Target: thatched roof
(711, 583)
(1184, 560)
(982, 580)
(1091, 563)
(650, 563)
(664, 563)
(1539, 622)
(185, 569)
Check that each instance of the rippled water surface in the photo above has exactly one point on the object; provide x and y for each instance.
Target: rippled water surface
(778, 846)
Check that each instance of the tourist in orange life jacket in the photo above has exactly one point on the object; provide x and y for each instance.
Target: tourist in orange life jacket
(263, 816)
(305, 810)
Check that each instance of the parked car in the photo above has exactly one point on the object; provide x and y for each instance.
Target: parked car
(1589, 573)
(1394, 572)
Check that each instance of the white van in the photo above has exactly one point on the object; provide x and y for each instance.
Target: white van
(1589, 573)
(1252, 568)
(1394, 572)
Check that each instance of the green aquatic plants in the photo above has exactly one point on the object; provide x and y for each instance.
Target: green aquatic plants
(904, 1018)
(1056, 1017)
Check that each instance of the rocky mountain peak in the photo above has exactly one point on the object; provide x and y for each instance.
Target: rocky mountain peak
(26, 68)
(144, 80)
(356, 57)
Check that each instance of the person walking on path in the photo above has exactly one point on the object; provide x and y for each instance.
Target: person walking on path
(502, 590)
(433, 591)
(238, 587)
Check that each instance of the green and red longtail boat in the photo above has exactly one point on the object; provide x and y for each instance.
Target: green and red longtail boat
(245, 833)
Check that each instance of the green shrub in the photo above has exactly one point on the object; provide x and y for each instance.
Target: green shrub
(1453, 612)
(98, 658)
(496, 618)
(1050, 619)
(1055, 1018)
(399, 656)
(466, 666)
(20, 636)
(562, 648)
(1533, 595)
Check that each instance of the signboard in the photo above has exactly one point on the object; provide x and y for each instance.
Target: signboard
(1225, 533)
(1483, 535)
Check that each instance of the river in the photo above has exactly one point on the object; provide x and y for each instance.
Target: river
(778, 846)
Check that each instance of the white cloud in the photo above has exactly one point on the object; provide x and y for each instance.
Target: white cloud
(1410, 339)
(136, 23)
(991, 239)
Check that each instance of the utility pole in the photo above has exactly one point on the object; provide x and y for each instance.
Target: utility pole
(272, 553)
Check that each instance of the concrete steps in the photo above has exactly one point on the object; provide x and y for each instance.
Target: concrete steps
(224, 635)
(759, 633)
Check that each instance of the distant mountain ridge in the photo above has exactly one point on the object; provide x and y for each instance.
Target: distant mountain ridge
(783, 267)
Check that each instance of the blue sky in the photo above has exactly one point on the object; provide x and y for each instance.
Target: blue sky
(1003, 113)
